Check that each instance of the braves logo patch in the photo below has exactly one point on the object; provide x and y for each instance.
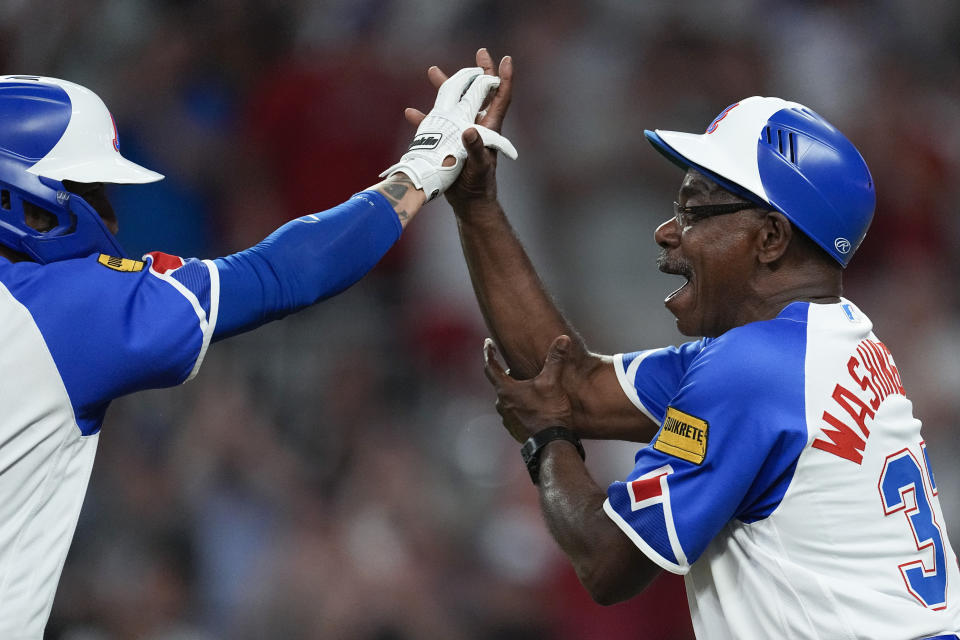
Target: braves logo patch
(120, 264)
(683, 436)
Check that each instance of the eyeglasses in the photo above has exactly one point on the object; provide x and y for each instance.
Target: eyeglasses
(685, 216)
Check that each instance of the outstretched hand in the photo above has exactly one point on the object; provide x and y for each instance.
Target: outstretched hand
(495, 109)
(529, 406)
(478, 178)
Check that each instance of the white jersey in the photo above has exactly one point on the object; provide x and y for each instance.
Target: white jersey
(77, 334)
(789, 483)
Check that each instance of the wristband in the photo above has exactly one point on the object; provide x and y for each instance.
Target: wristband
(532, 448)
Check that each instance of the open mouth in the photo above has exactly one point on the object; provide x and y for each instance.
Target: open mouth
(676, 292)
(675, 267)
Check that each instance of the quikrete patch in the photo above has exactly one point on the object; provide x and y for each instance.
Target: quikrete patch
(120, 264)
(683, 436)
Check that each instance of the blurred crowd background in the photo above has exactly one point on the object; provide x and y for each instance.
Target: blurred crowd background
(343, 474)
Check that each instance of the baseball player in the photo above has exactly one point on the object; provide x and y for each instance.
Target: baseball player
(81, 323)
(785, 477)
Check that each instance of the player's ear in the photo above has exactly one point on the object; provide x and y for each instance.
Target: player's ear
(773, 237)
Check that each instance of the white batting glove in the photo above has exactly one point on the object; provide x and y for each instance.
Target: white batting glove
(438, 136)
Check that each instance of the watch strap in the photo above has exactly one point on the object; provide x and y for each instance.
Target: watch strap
(533, 447)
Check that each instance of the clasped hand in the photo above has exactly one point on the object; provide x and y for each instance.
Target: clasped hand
(445, 137)
(529, 406)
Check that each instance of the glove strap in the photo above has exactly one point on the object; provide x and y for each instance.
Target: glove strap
(422, 173)
(533, 447)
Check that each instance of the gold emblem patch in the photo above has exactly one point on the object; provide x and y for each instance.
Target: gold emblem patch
(683, 436)
(120, 264)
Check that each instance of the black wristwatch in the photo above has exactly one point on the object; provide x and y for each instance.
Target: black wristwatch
(531, 449)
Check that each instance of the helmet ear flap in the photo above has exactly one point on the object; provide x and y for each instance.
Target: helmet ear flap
(49, 224)
(816, 176)
(23, 215)
(80, 232)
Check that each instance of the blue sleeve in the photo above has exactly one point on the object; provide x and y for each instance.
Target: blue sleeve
(114, 326)
(304, 261)
(651, 378)
(727, 446)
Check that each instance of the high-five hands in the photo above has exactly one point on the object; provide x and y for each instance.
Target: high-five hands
(437, 153)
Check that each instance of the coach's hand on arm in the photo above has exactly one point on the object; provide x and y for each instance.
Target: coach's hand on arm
(607, 563)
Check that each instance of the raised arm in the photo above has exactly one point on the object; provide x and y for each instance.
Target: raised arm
(519, 312)
(317, 256)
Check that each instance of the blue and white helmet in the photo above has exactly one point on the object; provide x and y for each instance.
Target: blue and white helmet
(52, 130)
(784, 156)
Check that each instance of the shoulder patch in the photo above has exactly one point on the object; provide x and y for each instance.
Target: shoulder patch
(164, 263)
(120, 264)
(684, 436)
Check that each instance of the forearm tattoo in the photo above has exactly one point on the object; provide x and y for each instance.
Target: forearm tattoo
(394, 192)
